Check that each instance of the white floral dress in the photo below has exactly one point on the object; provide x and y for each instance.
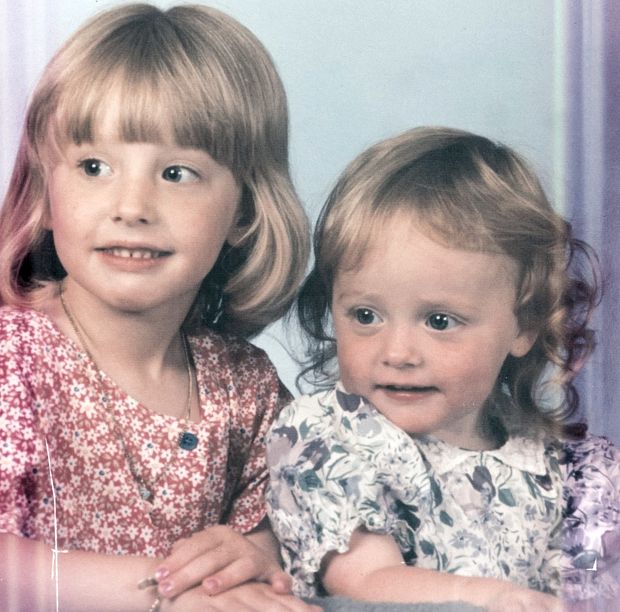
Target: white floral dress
(337, 464)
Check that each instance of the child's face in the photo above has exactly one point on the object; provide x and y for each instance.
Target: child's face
(139, 225)
(422, 331)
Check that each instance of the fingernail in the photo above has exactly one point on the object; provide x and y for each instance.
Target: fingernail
(165, 587)
(161, 573)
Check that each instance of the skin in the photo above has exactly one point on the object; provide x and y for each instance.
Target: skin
(422, 331)
(137, 227)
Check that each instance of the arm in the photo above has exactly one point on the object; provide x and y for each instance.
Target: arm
(104, 583)
(372, 570)
(86, 581)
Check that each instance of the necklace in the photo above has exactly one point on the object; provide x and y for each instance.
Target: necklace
(186, 441)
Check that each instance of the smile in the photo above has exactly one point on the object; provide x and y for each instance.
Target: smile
(125, 253)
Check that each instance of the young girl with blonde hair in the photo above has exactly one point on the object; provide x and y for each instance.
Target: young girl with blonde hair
(149, 227)
(449, 303)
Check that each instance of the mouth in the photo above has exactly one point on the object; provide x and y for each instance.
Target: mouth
(407, 388)
(137, 253)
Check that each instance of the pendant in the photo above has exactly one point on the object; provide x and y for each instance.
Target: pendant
(145, 493)
(188, 441)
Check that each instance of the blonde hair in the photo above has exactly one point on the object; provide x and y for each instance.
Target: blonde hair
(196, 73)
(470, 193)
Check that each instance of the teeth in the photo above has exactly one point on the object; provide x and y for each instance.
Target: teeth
(134, 253)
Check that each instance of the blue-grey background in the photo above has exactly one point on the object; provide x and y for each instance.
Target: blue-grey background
(535, 74)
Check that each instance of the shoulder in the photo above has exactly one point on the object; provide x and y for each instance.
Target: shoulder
(318, 408)
(346, 417)
(594, 451)
(232, 356)
(23, 329)
(16, 318)
(335, 414)
(239, 374)
(228, 348)
(338, 424)
(591, 469)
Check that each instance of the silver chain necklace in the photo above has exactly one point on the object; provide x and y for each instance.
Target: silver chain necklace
(186, 440)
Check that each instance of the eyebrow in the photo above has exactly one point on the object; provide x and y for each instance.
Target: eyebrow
(358, 295)
(426, 305)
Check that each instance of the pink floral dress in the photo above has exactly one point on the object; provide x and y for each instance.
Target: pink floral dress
(64, 478)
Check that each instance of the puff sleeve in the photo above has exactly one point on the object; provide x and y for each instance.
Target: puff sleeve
(332, 462)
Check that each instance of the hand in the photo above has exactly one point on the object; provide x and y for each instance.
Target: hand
(219, 558)
(514, 598)
(249, 597)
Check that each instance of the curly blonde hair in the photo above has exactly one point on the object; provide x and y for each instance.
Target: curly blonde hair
(196, 73)
(470, 193)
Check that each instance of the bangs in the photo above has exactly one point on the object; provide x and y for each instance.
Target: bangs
(147, 110)
(165, 85)
(444, 214)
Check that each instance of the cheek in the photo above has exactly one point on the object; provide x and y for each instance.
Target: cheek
(474, 375)
(66, 209)
(353, 363)
(201, 229)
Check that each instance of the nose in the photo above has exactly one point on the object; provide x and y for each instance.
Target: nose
(135, 203)
(402, 347)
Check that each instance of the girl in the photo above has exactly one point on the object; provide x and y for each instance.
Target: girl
(150, 224)
(445, 286)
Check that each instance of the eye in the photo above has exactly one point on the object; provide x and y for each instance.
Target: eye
(365, 316)
(179, 174)
(95, 167)
(441, 321)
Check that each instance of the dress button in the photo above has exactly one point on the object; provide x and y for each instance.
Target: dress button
(188, 441)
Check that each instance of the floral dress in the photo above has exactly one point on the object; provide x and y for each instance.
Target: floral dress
(64, 478)
(337, 464)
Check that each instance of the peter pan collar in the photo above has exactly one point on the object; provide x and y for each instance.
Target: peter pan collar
(524, 454)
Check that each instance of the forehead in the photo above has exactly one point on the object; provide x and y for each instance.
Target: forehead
(403, 255)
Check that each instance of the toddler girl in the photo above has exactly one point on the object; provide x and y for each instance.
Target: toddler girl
(446, 288)
(149, 226)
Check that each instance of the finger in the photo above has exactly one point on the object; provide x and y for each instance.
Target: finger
(187, 549)
(240, 569)
(237, 572)
(206, 565)
(280, 581)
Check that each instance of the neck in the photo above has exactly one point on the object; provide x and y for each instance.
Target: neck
(148, 343)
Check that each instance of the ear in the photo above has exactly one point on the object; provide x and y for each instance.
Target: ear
(522, 344)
